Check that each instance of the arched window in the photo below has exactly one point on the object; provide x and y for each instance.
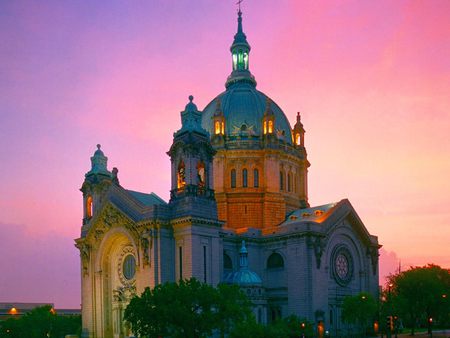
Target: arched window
(244, 178)
(89, 207)
(227, 262)
(270, 129)
(233, 178)
(265, 127)
(217, 127)
(201, 174)
(281, 180)
(289, 182)
(297, 139)
(181, 176)
(255, 178)
(275, 261)
(223, 128)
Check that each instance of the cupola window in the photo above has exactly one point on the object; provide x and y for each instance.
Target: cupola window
(297, 139)
(181, 176)
(244, 178)
(270, 127)
(265, 127)
(217, 127)
(256, 178)
(245, 60)
(233, 178)
(89, 207)
(281, 180)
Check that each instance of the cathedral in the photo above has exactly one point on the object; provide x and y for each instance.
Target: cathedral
(238, 213)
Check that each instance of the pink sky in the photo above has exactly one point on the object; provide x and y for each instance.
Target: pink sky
(371, 79)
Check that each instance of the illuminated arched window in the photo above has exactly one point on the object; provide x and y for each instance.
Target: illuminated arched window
(223, 128)
(201, 174)
(244, 178)
(275, 261)
(245, 60)
(233, 178)
(181, 175)
(270, 128)
(256, 178)
(89, 207)
(265, 127)
(217, 127)
(281, 180)
(297, 139)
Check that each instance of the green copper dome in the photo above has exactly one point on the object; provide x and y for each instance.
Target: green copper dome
(244, 276)
(241, 104)
(243, 108)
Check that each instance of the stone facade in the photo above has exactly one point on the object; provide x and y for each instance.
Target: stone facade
(238, 173)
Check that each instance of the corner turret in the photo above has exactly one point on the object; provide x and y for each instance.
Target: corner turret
(191, 155)
(96, 183)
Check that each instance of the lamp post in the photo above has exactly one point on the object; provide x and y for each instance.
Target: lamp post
(389, 327)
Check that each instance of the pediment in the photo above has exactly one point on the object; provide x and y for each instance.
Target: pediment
(344, 213)
(108, 217)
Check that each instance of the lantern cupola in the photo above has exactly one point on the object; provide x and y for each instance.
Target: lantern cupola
(299, 132)
(240, 50)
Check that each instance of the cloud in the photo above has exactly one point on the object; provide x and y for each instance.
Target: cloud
(389, 264)
(40, 267)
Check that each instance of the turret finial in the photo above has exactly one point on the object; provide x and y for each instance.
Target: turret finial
(99, 162)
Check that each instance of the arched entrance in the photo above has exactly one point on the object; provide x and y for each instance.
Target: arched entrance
(118, 263)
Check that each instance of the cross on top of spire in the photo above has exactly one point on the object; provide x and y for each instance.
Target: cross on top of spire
(239, 6)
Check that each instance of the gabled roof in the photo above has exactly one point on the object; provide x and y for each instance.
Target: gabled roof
(323, 219)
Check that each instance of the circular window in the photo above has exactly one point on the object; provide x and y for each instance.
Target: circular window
(342, 265)
(129, 267)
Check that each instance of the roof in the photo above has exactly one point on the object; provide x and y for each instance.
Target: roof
(147, 199)
(310, 214)
(243, 108)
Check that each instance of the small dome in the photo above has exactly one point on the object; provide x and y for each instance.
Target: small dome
(191, 106)
(98, 163)
(99, 152)
(243, 108)
(244, 276)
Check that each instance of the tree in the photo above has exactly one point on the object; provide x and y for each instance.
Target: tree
(421, 293)
(289, 327)
(41, 322)
(360, 310)
(186, 309)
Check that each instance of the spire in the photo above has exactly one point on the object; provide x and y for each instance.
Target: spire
(99, 163)
(240, 38)
(243, 257)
